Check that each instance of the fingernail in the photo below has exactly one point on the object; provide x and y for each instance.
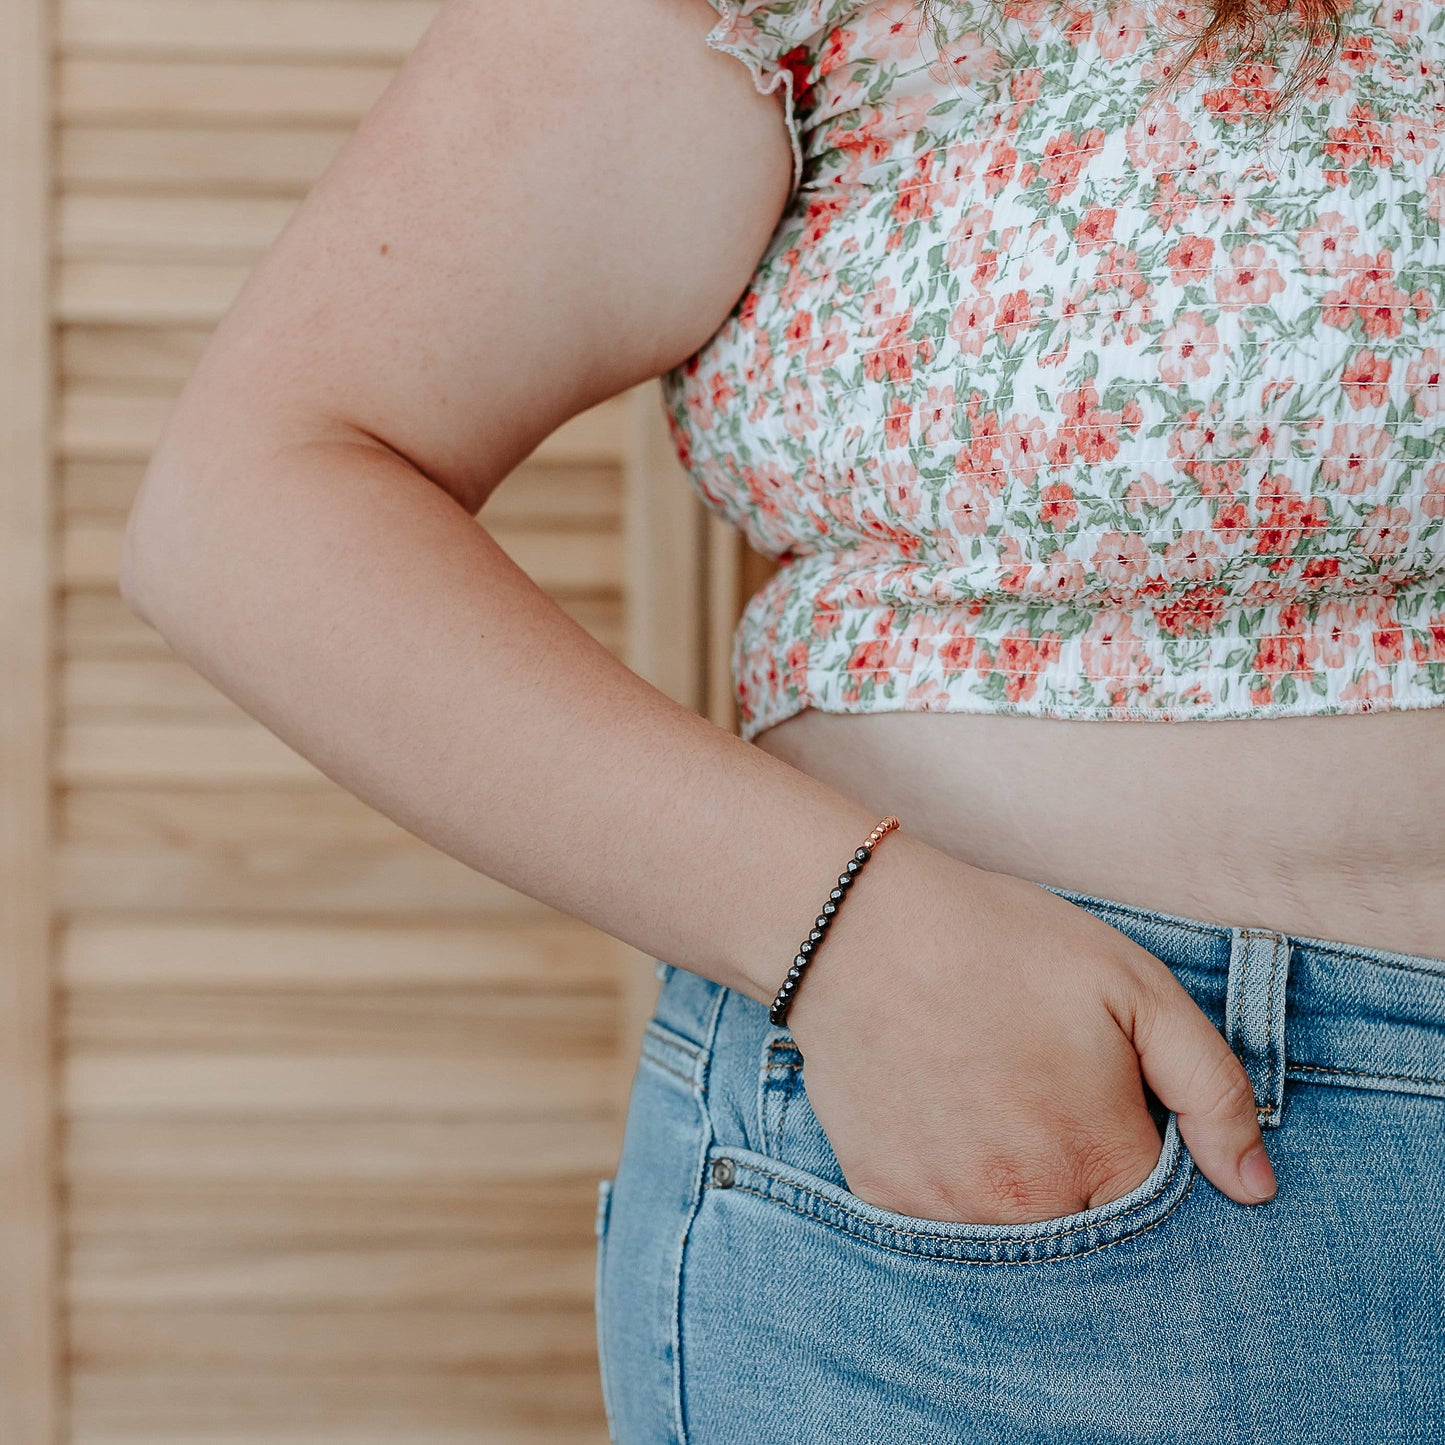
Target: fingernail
(1258, 1174)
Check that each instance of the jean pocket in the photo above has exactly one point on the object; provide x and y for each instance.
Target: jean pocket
(797, 1168)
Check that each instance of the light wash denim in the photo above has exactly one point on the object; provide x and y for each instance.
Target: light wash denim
(746, 1297)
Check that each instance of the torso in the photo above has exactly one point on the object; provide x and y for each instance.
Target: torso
(1324, 827)
(1051, 407)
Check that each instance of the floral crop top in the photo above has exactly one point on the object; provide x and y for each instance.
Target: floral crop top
(1052, 401)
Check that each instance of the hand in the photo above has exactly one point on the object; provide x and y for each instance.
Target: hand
(973, 1048)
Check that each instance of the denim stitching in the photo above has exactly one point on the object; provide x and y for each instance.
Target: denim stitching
(900, 1232)
(981, 1263)
(1363, 1073)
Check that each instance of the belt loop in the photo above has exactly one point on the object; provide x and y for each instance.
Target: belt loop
(1254, 1014)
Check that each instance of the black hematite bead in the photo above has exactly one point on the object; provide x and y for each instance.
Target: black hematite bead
(853, 865)
(806, 947)
(816, 936)
(822, 920)
(836, 894)
(800, 961)
(795, 972)
(861, 855)
(830, 908)
(845, 880)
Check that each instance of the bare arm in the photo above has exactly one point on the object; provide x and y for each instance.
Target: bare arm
(550, 204)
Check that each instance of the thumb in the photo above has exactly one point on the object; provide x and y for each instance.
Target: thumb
(1193, 1071)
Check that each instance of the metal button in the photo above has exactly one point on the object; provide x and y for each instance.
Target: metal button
(724, 1172)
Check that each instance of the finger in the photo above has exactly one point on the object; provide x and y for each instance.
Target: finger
(1194, 1072)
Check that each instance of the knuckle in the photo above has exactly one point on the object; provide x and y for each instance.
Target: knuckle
(1223, 1086)
(1105, 1169)
(1014, 1192)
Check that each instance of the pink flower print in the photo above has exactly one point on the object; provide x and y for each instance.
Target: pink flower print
(1190, 259)
(1338, 629)
(1122, 31)
(1365, 379)
(1003, 160)
(1057, 507)
(955, 652)
(1187, 349)
(938, 415)
(1422, 376)
(1021, 659)
(1062, 578)
(1286, 653)
(1159, 138)
(900, 486)
(829, 346)
(1015, 315)
(1115, 657)
(1435, 197)
(969, 502)
(1432, 499)
(971, 324)
(1146, 490)
(799, 331)
(878, 305)
(890, 32)
(894, 354)
(1328, 244)
(1285, 519)
(898, 423)
(1377, 616)
(799, 415)
(1399, 19)
(1371, 295)
(1121, 558)
(1194, 557)
(1095, 229)
(1368, 690)
(1065, 157)
(1354, 460)
(968, 240)
(1022, 444)
(1254, 280)
(1386, 533)
(960, 169)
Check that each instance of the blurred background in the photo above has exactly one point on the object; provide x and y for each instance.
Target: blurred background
(300, 1119)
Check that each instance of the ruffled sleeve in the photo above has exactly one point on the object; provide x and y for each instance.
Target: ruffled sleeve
(782, 42)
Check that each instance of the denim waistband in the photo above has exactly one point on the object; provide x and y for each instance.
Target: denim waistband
(1306, 1009)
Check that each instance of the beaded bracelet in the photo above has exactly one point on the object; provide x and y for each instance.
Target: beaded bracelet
(778, 1013)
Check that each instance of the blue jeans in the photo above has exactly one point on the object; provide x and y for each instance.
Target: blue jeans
(746, 1297)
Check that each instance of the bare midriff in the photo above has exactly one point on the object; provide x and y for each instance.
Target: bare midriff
(1325, 827)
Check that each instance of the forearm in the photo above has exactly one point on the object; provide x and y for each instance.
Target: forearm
(361, 614)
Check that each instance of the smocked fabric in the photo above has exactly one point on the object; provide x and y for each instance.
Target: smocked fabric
(1055, 392)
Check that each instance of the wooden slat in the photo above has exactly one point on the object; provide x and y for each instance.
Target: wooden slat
(29, 1329)
(99, 625)
(550, 957)
(218, 160)
(443, 1275)
(170, 91)
(344, 1209)
(284, 881)
(98, 422)
(244, 29)
(154, 1084)
(147, 1156)
(169, 228)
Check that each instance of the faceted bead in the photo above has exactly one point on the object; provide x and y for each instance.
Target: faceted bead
(800, 961)
(822, 920)
(853, 865)
(816, 935)
(794, 972)
(844, 879)
(836, 894)
(861, 855)
(806, 946)
(830, 908)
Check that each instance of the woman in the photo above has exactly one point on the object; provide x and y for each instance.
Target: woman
(1082, 368)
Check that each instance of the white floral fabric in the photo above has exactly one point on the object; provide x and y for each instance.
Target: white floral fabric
(1054, 393)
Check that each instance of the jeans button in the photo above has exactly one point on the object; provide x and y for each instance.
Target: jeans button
(724, 1171)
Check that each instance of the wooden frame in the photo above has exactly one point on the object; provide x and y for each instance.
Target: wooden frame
(29, 1329)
